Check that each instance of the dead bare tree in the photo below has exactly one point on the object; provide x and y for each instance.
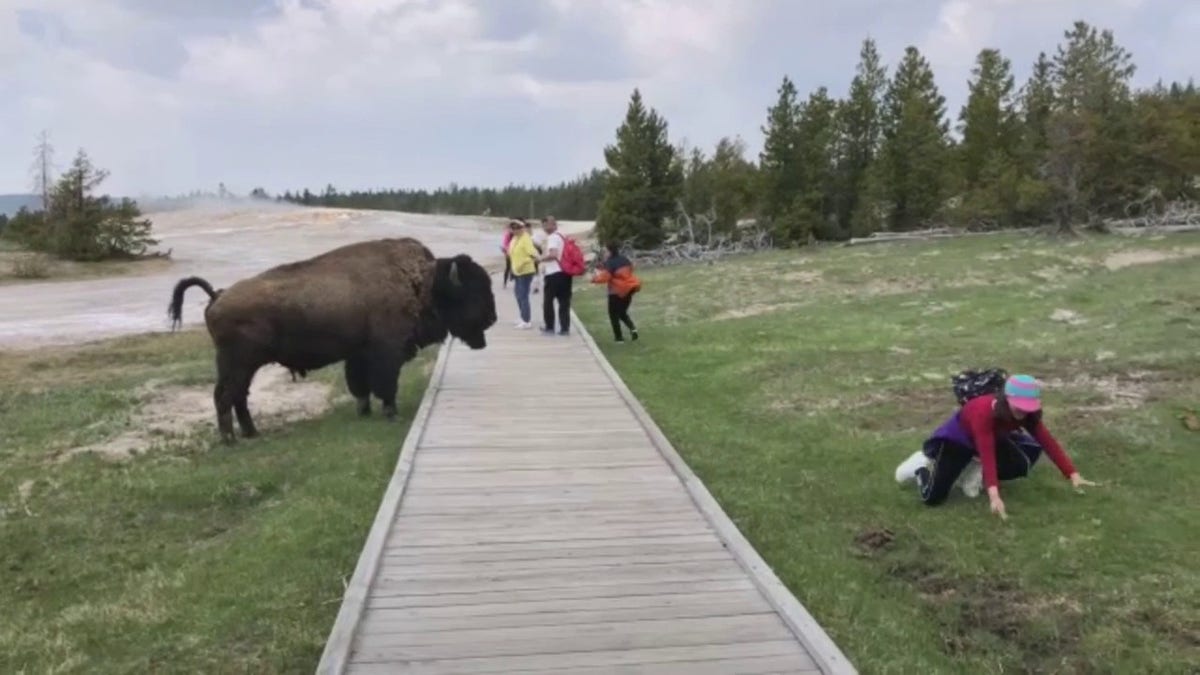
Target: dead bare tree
(43, 168)
(692, 240)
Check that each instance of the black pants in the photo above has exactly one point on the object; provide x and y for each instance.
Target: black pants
(618, 313)
(1015, 456)
(558, 287)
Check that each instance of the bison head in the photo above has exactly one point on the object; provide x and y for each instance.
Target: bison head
(462, 294)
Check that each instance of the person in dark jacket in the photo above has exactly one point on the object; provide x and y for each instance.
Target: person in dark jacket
(1003, 431)
(616, 271)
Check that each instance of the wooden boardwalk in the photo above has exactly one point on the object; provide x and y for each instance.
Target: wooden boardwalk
(538, 521)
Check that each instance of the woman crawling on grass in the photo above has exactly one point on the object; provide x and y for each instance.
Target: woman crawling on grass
(1003, 431)
(616, 271)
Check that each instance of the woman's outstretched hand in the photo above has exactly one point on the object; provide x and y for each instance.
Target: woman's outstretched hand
(1079, 481)
(997, 503)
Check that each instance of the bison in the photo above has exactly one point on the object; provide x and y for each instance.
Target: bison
(372, 304)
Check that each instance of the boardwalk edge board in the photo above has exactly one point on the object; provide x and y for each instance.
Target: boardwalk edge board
(821, 647)
(341, 637)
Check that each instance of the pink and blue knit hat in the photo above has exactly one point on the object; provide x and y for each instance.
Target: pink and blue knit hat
(1024, 393)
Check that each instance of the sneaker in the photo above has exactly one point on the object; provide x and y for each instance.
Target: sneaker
(619, 340)
(923, 477)
(524, 325)
(971, 479)
(564, 333)
(633, 335)
(908, 468)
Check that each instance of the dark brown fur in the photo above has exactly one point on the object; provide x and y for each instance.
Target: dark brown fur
(373, 305)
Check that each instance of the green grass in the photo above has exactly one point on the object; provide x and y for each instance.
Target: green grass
(793, 383)
(191, 558)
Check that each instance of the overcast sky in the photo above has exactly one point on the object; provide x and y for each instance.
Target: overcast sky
(172, 95)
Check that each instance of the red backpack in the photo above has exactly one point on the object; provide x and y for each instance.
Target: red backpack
(571, 261)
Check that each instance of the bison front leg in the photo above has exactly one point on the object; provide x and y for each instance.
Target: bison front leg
(358, 381)
(385, 374)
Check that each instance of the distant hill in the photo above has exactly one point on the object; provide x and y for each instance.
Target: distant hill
(10, 204)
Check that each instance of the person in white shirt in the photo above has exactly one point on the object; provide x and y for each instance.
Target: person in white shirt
(558, 284)
(539, 242)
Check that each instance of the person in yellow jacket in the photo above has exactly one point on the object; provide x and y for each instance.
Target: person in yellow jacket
(522, 257)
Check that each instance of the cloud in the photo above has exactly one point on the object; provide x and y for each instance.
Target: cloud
(172, 95)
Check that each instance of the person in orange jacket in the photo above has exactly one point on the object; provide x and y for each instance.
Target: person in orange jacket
(617, 271)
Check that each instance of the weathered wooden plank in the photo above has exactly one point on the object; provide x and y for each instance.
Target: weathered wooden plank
(494, 569)
(551, 546)
(551, 477)
(702, 571)
(748, 596)
(421, 539)
(372, 624)
(444, 507)
(571, 638)
(543, 464)
(399, 598)
(610, 661)
(683, 551)
(484, 459)
(528, 521)
(534, 494)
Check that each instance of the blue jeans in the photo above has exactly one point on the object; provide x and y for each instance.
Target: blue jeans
(521, 286)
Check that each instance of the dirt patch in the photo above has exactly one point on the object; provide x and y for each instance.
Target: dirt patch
(1125, 259)
(757, 309)
(174, 413)
(1068, 316)
(873, 540)
(1046, 630)
(1127, 391)
(806, 276)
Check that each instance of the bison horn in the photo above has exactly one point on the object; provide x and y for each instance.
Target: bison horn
(454, 272)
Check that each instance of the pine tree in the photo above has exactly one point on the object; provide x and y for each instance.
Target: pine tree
(860, 127)
(644, 179)
(914, 159)
(1089, 158)
(991, 168)
(816, 148)
(779, 167)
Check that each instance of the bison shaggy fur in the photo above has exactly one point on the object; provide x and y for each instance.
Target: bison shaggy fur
(372, 305)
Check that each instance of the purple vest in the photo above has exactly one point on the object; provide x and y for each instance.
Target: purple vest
(951, 430)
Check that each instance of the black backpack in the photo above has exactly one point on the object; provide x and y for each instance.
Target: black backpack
(970, 384)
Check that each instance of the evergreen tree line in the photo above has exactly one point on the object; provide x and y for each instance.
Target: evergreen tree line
(74, 223)
(572, 200)
(1075, 144)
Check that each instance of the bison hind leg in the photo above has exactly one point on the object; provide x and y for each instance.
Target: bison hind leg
(358, 381)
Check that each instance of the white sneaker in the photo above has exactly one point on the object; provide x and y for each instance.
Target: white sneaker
(523, 325)
(907, 471)
(971, 479)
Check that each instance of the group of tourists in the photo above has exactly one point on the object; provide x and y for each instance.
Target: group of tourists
(555, 260)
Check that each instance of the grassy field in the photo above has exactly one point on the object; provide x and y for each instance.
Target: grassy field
(190, 558)
(794, 383)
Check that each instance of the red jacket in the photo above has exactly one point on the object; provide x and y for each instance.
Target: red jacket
(979, 420)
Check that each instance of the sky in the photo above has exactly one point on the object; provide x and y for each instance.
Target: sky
(175, 95)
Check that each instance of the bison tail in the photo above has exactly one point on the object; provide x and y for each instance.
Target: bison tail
(175, 309)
